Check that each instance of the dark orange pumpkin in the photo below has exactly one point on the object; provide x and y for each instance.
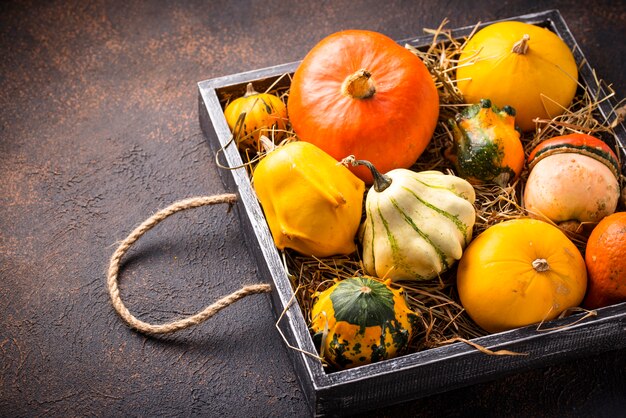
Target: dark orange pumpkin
(360, 93)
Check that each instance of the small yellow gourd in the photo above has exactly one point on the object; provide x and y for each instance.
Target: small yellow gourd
(312, 203)
(255, 114)
(521, 65)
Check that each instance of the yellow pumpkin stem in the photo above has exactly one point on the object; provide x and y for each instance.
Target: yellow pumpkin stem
(250, 91)
(359, 85)
(521, 46)
(541, 265)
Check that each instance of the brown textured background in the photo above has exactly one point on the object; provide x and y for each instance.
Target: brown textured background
(99, 129)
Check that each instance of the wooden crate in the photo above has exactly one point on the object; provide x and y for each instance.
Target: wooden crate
(423, 373)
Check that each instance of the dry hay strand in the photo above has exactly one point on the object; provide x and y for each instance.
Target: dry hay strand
(310, 275)
(443, 317)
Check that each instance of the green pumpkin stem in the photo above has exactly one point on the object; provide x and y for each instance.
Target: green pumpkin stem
(381, 181)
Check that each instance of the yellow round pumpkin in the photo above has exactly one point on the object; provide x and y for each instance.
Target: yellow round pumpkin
(520, 272)
(361, 320)
(521, 65)
(255, 114)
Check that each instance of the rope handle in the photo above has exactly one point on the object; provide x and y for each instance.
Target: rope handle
(148, 224)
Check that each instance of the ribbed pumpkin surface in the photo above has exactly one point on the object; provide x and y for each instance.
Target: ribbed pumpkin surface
(539, 81)
(520, 272)
(418, 226)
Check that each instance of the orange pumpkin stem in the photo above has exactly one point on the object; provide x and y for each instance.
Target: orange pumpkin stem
(541, 265)
(359, 85)
(521, 46)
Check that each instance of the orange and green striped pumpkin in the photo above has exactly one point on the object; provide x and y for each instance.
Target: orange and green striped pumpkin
(361, 320)
(486, 146)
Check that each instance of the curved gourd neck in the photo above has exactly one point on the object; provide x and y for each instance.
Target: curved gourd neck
(381, 181)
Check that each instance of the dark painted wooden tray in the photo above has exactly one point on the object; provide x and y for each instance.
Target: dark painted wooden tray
(427, 372)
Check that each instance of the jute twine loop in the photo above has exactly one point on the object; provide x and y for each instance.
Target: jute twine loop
(148, 224)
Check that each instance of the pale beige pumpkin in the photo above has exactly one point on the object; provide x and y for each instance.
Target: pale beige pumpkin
(573, 178)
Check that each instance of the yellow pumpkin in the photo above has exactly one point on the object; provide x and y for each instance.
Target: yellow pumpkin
(361, 320)
(255, 114)
(520, 272)
(311, 202)
(521, 65)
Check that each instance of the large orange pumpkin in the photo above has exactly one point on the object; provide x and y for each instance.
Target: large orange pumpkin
(360, 93)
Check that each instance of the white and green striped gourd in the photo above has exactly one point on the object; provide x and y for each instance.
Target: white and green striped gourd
(417, 223)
